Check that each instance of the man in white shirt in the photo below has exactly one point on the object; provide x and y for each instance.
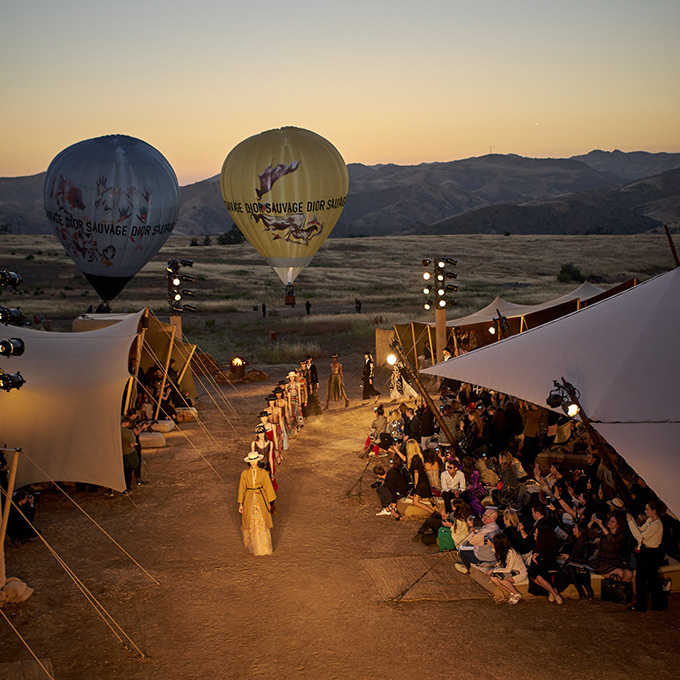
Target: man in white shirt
(452, 483)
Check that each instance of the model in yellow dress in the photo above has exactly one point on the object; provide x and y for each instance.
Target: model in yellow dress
(255, 496)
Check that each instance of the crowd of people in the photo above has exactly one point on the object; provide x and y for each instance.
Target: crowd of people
(505, 515)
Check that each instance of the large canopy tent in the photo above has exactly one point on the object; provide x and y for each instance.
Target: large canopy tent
(66, 417)
(621, 354)
(474, 328)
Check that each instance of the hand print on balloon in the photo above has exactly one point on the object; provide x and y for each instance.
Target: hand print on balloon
(108, 225)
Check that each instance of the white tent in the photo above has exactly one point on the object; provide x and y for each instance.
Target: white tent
(67, 415)
(621, 354)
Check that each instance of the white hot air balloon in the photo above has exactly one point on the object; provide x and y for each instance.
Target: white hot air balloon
(113, 201)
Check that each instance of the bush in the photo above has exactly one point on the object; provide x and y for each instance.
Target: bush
(231, 237)
(569, 272)
(289, 352)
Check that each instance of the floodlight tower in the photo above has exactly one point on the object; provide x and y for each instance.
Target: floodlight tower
(436, 290)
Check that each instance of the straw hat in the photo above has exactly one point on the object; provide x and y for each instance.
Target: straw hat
(253, 457)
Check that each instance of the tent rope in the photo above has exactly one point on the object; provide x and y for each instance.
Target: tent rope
(96, 605)
(99, 526)
(40, 663)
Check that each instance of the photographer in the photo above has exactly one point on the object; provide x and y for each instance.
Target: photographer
(390, 487)
(21, 517)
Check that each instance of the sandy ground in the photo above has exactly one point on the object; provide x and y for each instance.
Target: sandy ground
(310, 609)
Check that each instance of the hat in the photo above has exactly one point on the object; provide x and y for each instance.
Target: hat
(270, 397)
(260, 429)
(303, 362)
(308, 357)
(263, 414)
(335, 355)
(616, 503)
(253, 457)
(291, 374)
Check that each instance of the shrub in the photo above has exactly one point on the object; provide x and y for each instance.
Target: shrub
(289, 352)
(569, 272)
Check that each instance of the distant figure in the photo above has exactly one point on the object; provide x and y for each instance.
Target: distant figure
(357, 305)
(308, 306)
(264, 310)
(104, 308)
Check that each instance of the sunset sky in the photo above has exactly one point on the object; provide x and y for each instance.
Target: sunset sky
(386, 81)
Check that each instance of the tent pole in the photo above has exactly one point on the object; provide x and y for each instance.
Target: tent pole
(415, 351)
(428, 399)
(6, 505)
(672, 245)
(132, 394)
(186, 365)
(165, 371)
(602, 449)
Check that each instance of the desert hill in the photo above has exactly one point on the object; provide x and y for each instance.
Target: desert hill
(639, 206)
(493, 192)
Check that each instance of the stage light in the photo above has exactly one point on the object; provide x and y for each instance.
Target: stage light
(427, 276)
(442, 303)
(176, 280)
(427, 262)
(428, 304)
(451, 289)
(570, 408)
(8, 278)
(177, 296)
(441, 263)
(427, 290)
(10, 381)
(188, 308)
(451, 275)
(13, 347)
(451, 261)
(391, 359)
(188, 293)
(187, 263)
(555, 398)
(12, 317)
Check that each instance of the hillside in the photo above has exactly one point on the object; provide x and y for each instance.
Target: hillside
(632, 208)
(389, 199)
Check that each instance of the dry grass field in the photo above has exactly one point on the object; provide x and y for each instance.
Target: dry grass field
(312, 609)
(384, 273)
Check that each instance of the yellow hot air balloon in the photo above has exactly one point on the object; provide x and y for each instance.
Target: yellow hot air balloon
(285, 190)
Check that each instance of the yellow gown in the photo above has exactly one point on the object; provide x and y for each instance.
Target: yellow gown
(256, 492)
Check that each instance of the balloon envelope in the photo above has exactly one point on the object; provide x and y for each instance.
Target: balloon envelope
(285, 190)
(113, 201)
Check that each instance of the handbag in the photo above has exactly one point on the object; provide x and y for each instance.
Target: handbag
(445, 540)
(613, 589)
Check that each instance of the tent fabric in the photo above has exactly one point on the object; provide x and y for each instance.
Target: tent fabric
(620, 353)
(67, 415)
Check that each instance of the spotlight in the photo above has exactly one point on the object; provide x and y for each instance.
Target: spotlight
(176, 280)
(451, 289)
(440, 277)
(441, 263)
(8, 278)
(173, 266)
(555, 398)
(177, 296)
(188, 308)
(428, 304)
(427, 262)
(427, 290)
(188, 293)
(451, 275)
(427, 276)
(391, 359)
(442, 303)
(12, 347)
(10, 381)
(570, 408)
(441, 292)
(12, 317)
(451, 261)
(187, 263)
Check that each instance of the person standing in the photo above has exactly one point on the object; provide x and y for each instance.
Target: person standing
(367, 378)
(335, 389)
(308, 307)
(264, 310)
(255, 497)
(649, 558)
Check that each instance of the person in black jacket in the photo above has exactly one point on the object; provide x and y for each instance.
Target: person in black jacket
(390, 487)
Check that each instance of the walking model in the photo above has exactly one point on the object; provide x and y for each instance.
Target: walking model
(335, 389)
(367, 378)
(255, 497)
(265, 448)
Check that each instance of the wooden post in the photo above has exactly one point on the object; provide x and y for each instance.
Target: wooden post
(428, 399)
(440, 332)
(6, 505)
(165, 370)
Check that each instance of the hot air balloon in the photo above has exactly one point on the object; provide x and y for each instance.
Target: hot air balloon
(113, 201)
(285, 190)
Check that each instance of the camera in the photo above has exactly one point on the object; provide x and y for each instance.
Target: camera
(376, 484)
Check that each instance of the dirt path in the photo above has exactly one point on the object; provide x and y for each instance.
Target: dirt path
(309, 610)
